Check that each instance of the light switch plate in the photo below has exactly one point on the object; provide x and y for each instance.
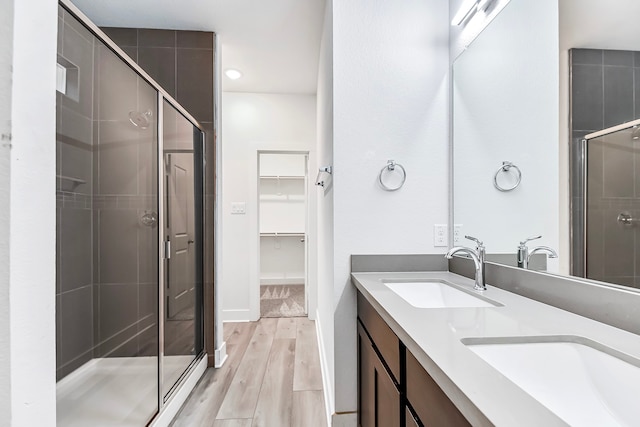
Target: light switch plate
(238, 208)
(440, 238)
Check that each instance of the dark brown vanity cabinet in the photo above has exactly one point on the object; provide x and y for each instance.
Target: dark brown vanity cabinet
(393, 388)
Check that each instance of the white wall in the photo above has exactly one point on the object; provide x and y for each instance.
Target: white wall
(324, 197)
(505, 103)
(390, 101)
(6, 60)
(251, 123)
(31, 286)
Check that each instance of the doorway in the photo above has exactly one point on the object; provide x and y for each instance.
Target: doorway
(283, 227)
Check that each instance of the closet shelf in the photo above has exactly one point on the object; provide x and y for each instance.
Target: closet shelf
(281, 177)
(279, 234)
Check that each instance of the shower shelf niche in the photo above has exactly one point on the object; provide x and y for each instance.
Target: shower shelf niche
(74, 182)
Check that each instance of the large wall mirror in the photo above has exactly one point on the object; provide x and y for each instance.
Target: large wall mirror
(526, 91)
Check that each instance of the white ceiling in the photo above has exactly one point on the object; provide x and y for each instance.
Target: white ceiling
(274, 43)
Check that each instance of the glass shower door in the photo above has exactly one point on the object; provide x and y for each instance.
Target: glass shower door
(108, 236)
(613, 207)
(183, 339)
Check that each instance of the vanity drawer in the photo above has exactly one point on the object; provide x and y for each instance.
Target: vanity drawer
(432, 406)
(386, 342)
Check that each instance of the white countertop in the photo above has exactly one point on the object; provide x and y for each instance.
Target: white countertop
(479, 391)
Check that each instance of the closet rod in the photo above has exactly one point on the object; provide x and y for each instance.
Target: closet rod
(282, 234)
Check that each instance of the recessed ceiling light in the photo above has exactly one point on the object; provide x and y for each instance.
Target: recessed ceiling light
(233, 74)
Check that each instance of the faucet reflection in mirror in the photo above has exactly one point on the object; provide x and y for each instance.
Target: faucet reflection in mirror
(478, 256)
(524, 254)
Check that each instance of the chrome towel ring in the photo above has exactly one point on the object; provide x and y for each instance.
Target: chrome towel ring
(506, 166)
(390, 167)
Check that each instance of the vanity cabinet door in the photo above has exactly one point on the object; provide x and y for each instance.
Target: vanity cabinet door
(432, 406)
(378, 396)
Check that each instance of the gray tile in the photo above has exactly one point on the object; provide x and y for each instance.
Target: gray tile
(618, 95)
(160, 63)
(75, 249)
(195, 82)
(58, 341)
(618, 168)
(60, 35)
(96, 318)
(73, 365)
(587, 97)
(586, 56)
(76, 163)
(147, 252)
(618, 57)
(595, 243)
(127, 349)
(79, 51)
(78, 26)
(123, 37)
(148, 342)
(117, 87)
(147, 169)
(368, 263)
(156, 38)
(118, 157)
(76, 319)
(148, 302)
(118, 309)
(595, 167)
(636, 59)
(118, 246)
(619, 246)
(636, 92)
(195, 39)
(76, 126)
(58, 245)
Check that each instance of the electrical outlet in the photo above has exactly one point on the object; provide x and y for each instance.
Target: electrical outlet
(457, 234)
(238, 208)
(440, 238)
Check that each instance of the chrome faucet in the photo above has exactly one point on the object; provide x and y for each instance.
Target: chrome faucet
(477, 255)
(524, 254)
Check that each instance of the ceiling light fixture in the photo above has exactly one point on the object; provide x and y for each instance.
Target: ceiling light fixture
(468, 9)
(233, 74)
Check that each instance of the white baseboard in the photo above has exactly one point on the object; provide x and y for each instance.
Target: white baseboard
(242, 315)
(289, 281)
(326, 384)
(220, 355)
(177, 400)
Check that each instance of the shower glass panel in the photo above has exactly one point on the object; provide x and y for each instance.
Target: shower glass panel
(183, 337)
(107, 234)
(613, 207)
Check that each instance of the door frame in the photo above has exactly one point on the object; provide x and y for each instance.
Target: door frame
(254, 228)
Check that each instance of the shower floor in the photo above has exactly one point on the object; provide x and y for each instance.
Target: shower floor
(118, 391)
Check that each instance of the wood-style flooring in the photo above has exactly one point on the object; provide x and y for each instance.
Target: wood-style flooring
(271, 378)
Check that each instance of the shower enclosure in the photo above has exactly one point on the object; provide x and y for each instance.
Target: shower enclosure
(611, 205)
(129, 235)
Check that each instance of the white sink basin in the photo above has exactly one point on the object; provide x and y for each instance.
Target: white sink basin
(438, 294)
(581, 381)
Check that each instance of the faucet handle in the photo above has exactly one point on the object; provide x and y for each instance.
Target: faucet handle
(530, 239)
(473, 239)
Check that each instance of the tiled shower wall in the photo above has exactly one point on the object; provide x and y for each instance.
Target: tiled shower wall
(605, 91)
(106, 293)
